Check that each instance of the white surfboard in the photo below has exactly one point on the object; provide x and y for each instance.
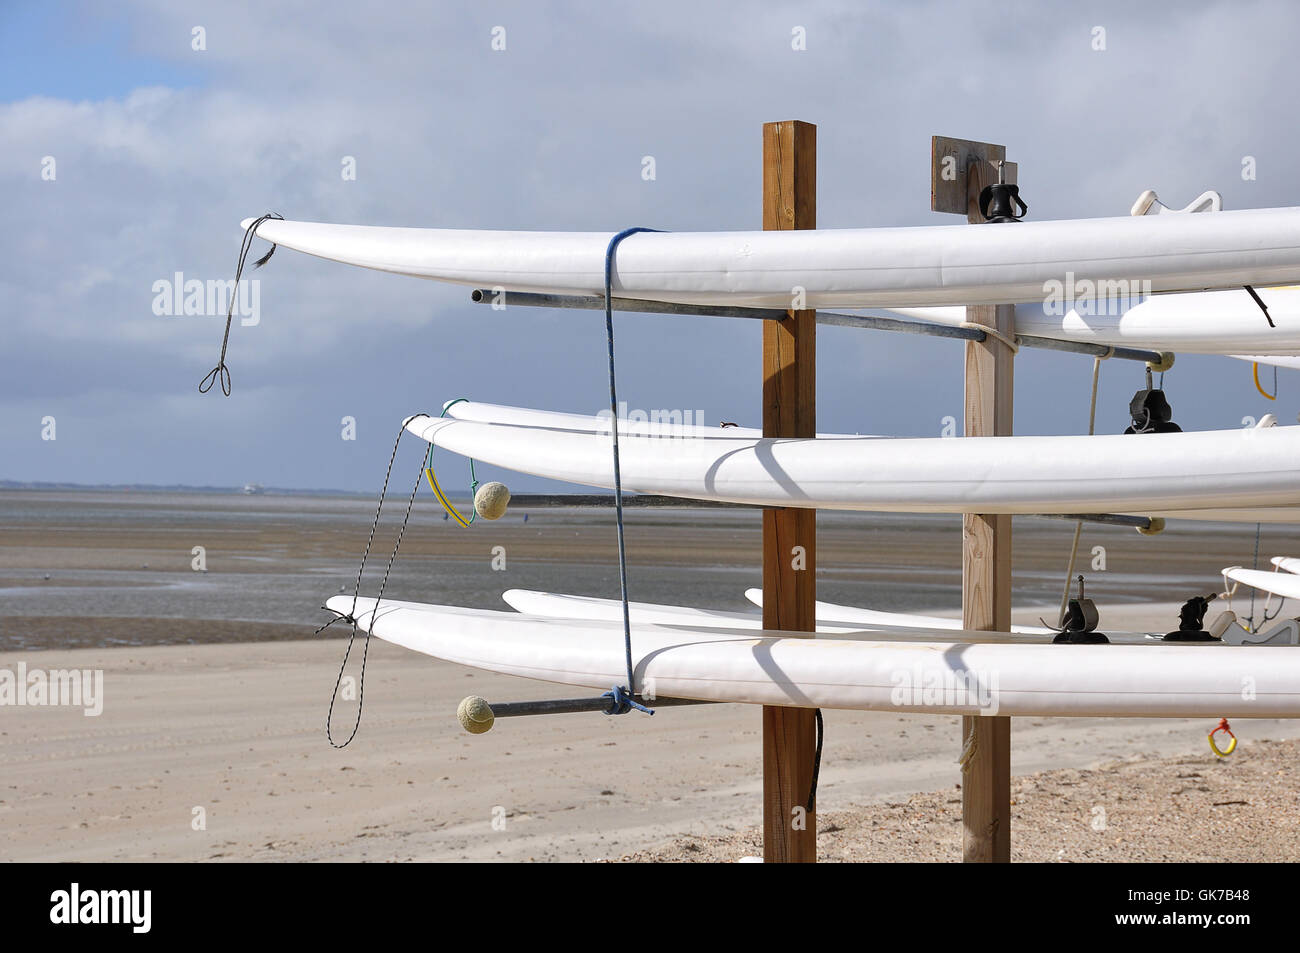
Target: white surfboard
(938, 673)
(830, 618)
(1287, 563)
(1214, 322)
(1289, 362)
(660, 423)
(560, 606)
(1233, 470)
(872, 618)
(1279, 583)
(855, 267)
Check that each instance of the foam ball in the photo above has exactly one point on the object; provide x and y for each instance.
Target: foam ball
(1157, 526)
(1166, 361)
(491, 500)
(475, 714)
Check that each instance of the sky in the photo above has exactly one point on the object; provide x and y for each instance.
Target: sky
(138, 135)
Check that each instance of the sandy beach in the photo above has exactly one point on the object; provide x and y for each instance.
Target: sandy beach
(236, 730)
(211, 743)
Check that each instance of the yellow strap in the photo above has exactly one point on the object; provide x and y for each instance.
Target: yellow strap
(1232, 745)
(1255, 365)
(433, 484)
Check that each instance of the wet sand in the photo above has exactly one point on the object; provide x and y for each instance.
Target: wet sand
(75, 566)
(216, 693)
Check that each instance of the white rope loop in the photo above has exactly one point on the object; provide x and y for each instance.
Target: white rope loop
(1010, 341)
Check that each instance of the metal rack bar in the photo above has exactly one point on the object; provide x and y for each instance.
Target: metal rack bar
(562, 706)
(831, 318)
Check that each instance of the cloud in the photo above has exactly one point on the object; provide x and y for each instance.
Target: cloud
(550, 133)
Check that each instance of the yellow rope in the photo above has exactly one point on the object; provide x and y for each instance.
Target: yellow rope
(433, 480)
(437, 490)
(1232, 745)
(1255, 366)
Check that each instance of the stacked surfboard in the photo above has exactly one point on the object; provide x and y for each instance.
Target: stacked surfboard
(858, 659)
(1237, 475)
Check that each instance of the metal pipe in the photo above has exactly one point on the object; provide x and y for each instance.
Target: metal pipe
(597, 303)
(836, 319)
(1096, 350)
(647, 500)
(644, 501)
(651, 501)
(830, 318)
(1110, 519)
(562, 706)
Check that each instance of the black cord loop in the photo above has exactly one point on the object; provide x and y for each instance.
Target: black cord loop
(221, 372)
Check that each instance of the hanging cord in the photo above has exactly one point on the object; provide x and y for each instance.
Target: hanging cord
(1078, 525)
(351, 616)
(1268, 597)
(221, 372)
(1254, 565)
(622, 701)
(1259, 387)
(433, 479)
(817, 762)
(1262, 306)
(1267, 616)
(969, 744)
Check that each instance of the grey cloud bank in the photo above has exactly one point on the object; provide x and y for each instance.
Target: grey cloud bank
(550, 133)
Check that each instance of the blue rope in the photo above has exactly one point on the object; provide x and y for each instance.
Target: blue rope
(621, 698)
(621, 702)
(473, 477)
(1255, 565)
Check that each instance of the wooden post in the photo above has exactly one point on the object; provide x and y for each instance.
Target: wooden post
(986, 578)
(986, 600)
(959, 170)
(789, 534)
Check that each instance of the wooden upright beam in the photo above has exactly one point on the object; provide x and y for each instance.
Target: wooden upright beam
(789, 534)
(986, 572)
